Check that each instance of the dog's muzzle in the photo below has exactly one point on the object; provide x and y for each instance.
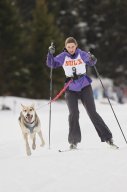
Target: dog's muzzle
(29, 117)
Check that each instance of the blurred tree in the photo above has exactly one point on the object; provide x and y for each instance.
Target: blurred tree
(26, 8)
(99, 26)
(42, 33)
(10, 31)
(24, 43)
(111, 39)
(28, 27)
(66, 15)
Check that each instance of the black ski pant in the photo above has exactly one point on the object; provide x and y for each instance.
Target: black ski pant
(87, 99)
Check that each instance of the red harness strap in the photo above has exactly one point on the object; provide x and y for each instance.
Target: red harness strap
(61, 92)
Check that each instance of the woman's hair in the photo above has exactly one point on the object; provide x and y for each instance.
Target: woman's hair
(71, 40)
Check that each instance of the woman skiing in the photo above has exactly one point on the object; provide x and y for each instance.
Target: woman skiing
(74, 61)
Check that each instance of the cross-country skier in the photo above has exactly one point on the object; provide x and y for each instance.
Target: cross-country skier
(74, 61)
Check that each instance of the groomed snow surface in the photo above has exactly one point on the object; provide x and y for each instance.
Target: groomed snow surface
(95, 167)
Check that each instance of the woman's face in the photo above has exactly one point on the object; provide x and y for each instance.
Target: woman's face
(71, 47)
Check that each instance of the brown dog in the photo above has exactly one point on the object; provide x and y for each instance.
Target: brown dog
(30, 125)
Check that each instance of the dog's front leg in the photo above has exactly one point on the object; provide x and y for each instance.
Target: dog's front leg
(42, 140)
(28, 151)
(34, 143)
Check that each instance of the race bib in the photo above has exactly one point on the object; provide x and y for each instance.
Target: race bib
(70, 64)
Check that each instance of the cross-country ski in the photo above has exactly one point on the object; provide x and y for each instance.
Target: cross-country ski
(67, 150)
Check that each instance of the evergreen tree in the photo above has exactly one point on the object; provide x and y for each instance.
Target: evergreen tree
(9, 46)
(28, 27)
(43, 32)
(24, 45)
(99, 26)
(111, 41)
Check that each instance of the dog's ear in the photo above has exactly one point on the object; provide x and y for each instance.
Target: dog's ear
(33, 105)
(22, 106)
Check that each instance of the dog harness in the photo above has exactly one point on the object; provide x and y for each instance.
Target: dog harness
(30, 126)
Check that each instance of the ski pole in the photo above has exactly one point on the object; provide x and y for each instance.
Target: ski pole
(110, 103)
(50, 107)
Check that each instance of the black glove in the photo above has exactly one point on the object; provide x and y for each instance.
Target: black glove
(52, 49)
(93, 58)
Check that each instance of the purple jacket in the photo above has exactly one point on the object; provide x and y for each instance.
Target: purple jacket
(59, 60)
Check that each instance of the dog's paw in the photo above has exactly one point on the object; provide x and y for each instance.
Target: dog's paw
(28, 152)
(42, 144)
(33, 146)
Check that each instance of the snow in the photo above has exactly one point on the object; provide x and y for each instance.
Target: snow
(93, 168)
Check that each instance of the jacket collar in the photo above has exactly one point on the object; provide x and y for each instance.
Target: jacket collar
(74, 55)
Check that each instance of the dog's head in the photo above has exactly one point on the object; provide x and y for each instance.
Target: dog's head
(28, 113)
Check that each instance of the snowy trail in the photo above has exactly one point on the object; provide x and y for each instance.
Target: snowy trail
(93, 168)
